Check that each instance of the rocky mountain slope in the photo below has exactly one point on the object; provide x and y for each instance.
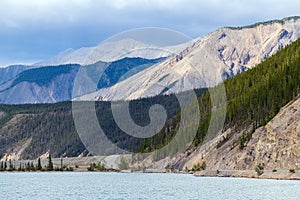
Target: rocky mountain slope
(262, 120)
(251, 133)
(51, 84)
(275, 145)
(10, 72)
(40, 85)
(219, 55)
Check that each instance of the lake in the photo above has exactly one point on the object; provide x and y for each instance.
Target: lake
(89, 185)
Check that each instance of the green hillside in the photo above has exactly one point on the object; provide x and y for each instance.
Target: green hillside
(51, 127)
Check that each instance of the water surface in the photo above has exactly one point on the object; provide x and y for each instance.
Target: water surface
(75, 185)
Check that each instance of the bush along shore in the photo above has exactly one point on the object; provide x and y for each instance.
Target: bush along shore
(10, 166)
(83, 164)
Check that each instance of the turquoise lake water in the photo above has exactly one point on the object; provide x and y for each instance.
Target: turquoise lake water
(140, 186)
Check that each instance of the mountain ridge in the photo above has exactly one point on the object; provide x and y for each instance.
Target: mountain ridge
(51, 84)
(209, 61)
(281, 21)
(110, 51)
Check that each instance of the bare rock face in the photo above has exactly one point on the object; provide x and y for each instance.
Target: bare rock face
(276, 146)
(213, 58)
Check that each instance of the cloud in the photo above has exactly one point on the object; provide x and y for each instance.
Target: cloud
(10, 24)
(69, 13)
(43, 27)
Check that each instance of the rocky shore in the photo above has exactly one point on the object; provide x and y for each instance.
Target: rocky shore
(279, 175)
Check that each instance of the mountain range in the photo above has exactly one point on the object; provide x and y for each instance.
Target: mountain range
(209, 61)
(52, 84)
(138, 70)
(261, 125)
(110, 51)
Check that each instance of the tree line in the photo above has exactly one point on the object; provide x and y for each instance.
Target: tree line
(31, 167)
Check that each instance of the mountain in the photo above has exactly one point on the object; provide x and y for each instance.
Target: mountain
(261, 124)
(275, 145)
(213, 58)
(205, 63)
(8, 73)
(32, 130)
(50, 84)
(111, 51)
(40, 85)
(262, 119)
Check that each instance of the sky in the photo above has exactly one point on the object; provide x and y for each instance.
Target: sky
(33, 30)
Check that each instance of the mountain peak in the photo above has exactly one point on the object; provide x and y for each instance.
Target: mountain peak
(110, 51)
(270, 22)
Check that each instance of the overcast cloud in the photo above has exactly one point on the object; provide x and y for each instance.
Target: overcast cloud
(32, 30)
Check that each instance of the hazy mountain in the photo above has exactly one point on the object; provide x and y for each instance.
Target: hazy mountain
(112, 51)
(55, 83)
(213, 58)
(205, 63)
(40, 85)
(8, 73)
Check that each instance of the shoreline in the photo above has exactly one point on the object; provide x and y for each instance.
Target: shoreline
(249, 174)
(268, 174)
(112, 164)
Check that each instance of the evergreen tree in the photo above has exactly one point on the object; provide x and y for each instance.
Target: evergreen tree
(39, 166)
(50, 163)
(61, 165)
(27, 167)
(32, 168)
(10, 167)
(20, 167)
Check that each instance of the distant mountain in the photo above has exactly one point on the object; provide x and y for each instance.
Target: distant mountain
(40, 85)
(123, 69)
(112, 51)
(55, 83)
(205, 63)
(8, 73)
(213, 58)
